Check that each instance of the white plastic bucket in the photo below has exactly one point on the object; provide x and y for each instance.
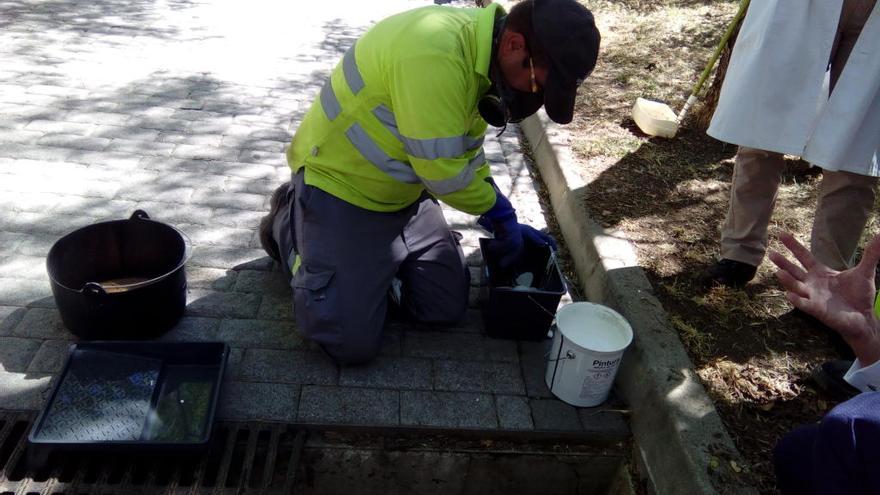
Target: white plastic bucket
(585, 353)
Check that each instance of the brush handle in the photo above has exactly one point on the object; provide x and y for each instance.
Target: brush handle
(744, 4)
(687, 106)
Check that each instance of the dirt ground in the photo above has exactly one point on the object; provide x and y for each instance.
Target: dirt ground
(670, 196)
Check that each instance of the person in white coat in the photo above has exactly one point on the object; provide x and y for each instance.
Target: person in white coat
(804, 80)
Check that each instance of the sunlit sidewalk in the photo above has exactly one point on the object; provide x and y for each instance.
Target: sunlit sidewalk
(184, 109)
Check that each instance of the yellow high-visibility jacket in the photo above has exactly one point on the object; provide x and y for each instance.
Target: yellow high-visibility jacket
(399, 114)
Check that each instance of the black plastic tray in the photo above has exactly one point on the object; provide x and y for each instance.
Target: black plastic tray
(133, 396)
(514, 314)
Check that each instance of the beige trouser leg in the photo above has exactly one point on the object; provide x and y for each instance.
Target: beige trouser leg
(756, 178)
(844, 205)
(842, 210)
(845, 199)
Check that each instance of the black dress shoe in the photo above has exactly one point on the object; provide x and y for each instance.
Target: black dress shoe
(829, 377)
(728, 272)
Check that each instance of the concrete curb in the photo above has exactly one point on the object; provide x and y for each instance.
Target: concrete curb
(680, 440)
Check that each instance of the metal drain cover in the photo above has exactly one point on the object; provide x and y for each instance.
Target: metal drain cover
(270, 458)
(242, 458)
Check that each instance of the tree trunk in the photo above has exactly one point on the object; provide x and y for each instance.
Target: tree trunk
(702, 114)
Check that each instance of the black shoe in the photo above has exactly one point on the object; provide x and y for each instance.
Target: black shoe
(829, 377)
(727, 272)
(266, 239)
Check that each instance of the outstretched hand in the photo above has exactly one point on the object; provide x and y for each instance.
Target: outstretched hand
(842, 300)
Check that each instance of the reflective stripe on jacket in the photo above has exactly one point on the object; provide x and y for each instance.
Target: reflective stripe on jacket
(399, 114)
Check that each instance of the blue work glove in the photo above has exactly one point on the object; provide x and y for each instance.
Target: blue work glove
(510, 235)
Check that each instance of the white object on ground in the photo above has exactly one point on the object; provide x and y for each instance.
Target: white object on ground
(655, 118)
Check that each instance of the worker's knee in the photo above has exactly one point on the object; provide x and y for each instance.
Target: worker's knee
(349, 336)
(439, 305)
(353, 351)
(347, 342)
(442, 314)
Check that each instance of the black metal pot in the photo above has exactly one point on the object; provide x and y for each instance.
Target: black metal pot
(123, 279)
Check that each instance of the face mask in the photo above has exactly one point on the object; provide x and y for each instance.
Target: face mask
(502, 104)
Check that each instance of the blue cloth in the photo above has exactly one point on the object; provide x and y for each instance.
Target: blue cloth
(841, 454)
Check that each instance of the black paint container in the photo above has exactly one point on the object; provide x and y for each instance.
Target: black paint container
(120, 280)
(516, 314)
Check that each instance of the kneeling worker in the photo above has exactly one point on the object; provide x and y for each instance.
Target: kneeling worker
(398, 126)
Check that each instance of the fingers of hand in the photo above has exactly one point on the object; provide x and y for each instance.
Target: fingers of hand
(798, 250)
(540, 238)
(787, 266)
(792, 285)
(870, 257)
(797, 301)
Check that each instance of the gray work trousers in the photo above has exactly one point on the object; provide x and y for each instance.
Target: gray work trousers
(845, 199)
(349, 257)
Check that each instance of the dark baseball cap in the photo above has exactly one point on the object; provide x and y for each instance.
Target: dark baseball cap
(567, 33)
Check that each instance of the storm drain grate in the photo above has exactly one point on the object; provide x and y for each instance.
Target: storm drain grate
(243, 458)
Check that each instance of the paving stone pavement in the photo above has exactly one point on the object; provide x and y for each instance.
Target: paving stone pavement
(184, 109)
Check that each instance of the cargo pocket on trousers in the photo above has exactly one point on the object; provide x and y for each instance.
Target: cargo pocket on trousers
(316, 304)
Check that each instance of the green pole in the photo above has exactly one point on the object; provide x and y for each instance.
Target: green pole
(744, 4)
